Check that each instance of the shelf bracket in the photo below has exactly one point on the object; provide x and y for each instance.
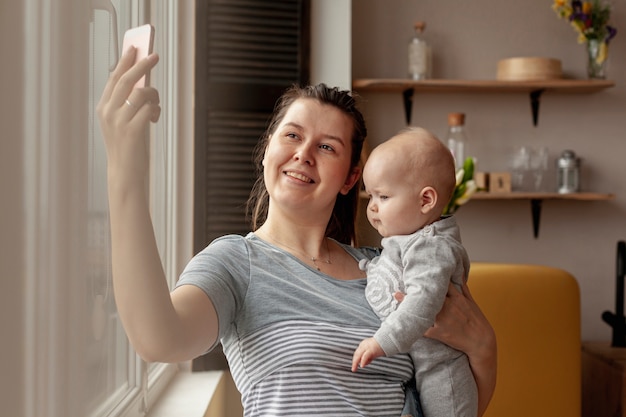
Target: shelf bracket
(407, 97)
(535, 207)
(535, 95)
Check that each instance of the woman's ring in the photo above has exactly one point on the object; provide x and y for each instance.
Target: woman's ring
(131, 104)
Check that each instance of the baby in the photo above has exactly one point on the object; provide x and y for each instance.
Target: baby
(409, 179)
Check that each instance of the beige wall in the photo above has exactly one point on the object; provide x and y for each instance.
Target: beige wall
(11, 206)
(468, 38)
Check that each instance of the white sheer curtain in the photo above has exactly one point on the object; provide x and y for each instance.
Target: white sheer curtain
(78, 359)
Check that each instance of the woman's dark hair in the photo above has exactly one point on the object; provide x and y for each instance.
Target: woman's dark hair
(341, 225)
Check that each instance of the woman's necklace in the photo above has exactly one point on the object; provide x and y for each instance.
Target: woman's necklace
(312, 258)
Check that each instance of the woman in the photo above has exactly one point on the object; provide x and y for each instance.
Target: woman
(286, 301)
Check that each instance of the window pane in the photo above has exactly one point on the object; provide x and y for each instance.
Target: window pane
(111, 361)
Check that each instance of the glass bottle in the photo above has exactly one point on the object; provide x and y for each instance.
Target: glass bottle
(457, 138)
(419, 54)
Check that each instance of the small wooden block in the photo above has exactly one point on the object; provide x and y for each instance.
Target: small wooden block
(499, 182)
(482, 180)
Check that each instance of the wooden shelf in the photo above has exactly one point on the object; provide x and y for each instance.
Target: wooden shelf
(480, 86)
(536, 200)
(542, 196)
(518, 195)
(533, 88)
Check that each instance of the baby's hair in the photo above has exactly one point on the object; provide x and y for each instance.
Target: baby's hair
(439, 158)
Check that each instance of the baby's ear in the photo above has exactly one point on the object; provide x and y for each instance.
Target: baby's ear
(428, 199)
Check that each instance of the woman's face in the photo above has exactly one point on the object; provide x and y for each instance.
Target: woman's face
(307, 160)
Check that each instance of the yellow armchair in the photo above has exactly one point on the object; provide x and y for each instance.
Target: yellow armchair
(535, 311)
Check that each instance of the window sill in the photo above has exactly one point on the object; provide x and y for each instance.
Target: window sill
(190, 394)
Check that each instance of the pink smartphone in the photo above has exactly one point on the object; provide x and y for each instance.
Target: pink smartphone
(142, 38)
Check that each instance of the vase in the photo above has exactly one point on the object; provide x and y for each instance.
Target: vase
(596, 59)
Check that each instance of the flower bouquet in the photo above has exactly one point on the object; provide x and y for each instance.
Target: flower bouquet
(590, 19)
(465, 187)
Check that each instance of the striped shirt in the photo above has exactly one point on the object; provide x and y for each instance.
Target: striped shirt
(289, 332)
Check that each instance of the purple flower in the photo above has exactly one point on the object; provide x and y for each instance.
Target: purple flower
(611, 33)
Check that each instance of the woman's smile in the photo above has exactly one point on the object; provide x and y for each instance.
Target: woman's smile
(299, 176)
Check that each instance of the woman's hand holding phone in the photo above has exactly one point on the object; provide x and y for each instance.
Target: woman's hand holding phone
(142, 38)
(125, 110)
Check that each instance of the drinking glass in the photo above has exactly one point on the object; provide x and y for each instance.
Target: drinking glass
(520, 164)
(539, 165)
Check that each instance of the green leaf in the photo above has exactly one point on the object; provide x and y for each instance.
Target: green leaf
(468, 167)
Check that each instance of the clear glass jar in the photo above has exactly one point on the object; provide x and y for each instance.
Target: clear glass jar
(419, 54)
(457, 138)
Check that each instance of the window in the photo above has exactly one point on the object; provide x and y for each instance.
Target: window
(79, 361)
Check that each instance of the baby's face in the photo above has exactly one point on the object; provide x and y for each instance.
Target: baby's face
(394, 206)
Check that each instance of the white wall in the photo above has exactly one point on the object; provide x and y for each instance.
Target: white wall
(468, 38)
(331, 47)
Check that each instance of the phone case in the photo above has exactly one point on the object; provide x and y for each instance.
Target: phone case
(142, 38)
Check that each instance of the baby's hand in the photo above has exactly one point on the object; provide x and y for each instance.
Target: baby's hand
(399, 296)
(368, 350)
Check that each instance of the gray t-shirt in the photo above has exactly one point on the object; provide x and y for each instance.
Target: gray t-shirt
(289, 332)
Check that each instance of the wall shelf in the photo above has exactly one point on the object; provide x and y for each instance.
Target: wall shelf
(533, 88)
(518, 195)
(536, 200)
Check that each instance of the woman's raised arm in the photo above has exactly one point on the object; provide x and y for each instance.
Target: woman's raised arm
(161, 326)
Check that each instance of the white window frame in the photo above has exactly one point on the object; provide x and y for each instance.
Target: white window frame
(55, 125)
